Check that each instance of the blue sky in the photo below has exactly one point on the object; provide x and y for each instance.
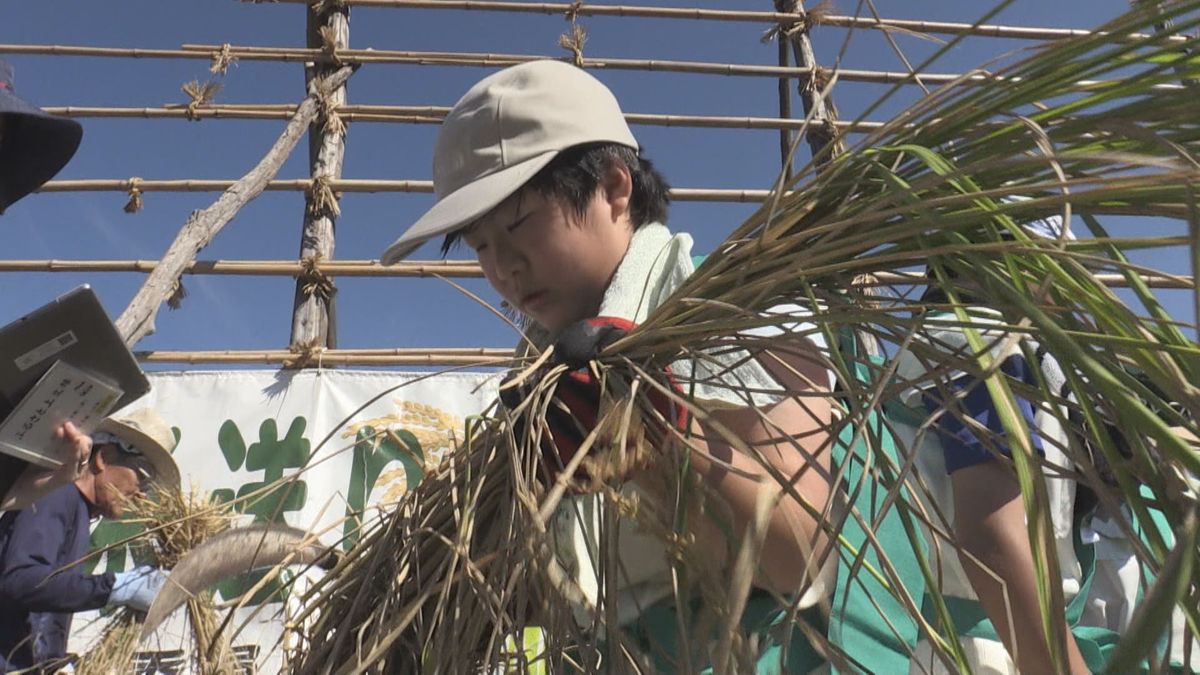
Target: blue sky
(228, 312)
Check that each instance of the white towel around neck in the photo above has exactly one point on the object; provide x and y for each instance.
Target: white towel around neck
(656, 263)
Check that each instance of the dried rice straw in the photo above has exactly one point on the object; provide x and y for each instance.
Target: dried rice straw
(175, 523)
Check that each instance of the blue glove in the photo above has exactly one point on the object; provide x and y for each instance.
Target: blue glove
(137, 588)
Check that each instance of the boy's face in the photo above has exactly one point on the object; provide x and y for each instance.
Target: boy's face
(548, 262)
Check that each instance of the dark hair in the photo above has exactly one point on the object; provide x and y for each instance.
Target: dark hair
(575, 175)
(116, 455)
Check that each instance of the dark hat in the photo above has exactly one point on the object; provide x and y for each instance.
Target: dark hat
(33, 145)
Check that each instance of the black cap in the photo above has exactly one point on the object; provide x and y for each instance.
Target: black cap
(33, 144)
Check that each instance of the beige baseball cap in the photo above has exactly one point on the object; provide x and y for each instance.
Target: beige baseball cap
(501, 133)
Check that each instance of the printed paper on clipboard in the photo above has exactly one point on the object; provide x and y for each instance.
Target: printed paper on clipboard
(64, 394)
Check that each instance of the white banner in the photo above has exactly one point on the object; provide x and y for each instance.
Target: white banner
(240, 430)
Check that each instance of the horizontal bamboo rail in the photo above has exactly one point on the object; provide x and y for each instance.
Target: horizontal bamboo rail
(351, 56)
(345, 185)
(476, 356)
(426, 268)
(267, 268)
(504, 60)
(697, 14)
(422, 115)
(220, 184)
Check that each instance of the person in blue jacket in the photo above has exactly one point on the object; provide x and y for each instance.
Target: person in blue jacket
(41, 582)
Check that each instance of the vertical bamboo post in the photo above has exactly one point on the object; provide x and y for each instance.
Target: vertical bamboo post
(785, 109)
(821, 131)
(314, 318)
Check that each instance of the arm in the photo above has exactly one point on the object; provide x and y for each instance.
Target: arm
(36, 481)
(29, 561)
(989, 524)
(792, 436)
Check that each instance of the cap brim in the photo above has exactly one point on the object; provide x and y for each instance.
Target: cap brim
(463, 206)
(165, 469)
(36, 147)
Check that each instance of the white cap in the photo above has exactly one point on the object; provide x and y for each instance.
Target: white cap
(149, 434)
(503, 131)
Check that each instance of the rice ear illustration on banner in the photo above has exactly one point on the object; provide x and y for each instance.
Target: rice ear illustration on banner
(230, 553)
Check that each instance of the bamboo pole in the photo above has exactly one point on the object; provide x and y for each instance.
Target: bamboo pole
(137, 320)
(438, 268)
(219, 185)
(698, 14)
(348, 185)
(784, 91)
(817, 106)
(819, 111)
(360, 56)
(425, 115)
(269, 268)
(505, 60)
(483, 357)
(655, 65)
(314, 309)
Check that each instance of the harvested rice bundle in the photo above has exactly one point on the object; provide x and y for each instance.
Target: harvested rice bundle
(174, 523)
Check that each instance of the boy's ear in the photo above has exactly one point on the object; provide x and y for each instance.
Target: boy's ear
(617, 189)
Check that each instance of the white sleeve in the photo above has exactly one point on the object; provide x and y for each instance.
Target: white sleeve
(797, 326)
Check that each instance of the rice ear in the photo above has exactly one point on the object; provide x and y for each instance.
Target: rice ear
(228, 554)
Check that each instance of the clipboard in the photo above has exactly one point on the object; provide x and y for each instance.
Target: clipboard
(72, 330)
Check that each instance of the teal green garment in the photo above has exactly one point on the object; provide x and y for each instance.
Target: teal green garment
(869, 628)
(1096, 644)
(656, 634)
(872, 630)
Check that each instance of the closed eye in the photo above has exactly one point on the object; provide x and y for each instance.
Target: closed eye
(475, 246)
(519, 222)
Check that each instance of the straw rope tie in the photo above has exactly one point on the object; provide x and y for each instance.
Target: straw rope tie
(178, 293)
(135, 195)
(873, 291)
(572, 13)
(201, 94)
(818, 80)
(786, 30)
(574, 39)
(222, 59)
(314, 281)
(790, 28)
(322, 200)
(304, 352)
(321, 7)
(329, 45)
(331, 120)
